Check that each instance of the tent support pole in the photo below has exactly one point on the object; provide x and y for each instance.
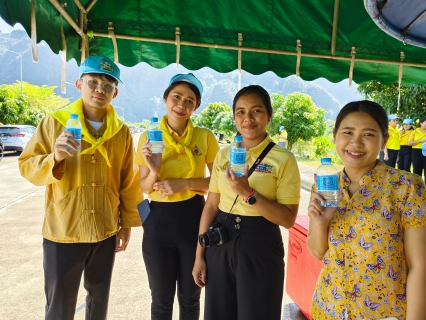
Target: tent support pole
(67, 17)
(249, 49)
(114, 40)
(63, 60)
(299, 54)
(240, 43)
(34, 48)
(177, 33)
(401, 57)
(351, 68)
(334, 31)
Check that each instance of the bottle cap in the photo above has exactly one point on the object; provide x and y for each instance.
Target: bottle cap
(238, 138)
(325, 160)
(73, 116)
(154, 119)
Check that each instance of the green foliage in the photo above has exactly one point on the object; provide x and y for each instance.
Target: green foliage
(225, 123)
(322, 146)
(31, 106)
(412, 99)
(209, 114)
(302, 119)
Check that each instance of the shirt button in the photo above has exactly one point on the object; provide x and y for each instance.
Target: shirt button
(93, 184)
(93, 160)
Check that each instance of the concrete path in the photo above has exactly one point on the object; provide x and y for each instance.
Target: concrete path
(21, 271)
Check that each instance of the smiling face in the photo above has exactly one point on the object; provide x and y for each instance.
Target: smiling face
(180, 104)
(251, 118)
(358, 141)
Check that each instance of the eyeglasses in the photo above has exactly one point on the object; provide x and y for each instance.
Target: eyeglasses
(93, 84)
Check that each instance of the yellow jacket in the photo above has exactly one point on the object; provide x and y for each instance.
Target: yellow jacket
(86, 200)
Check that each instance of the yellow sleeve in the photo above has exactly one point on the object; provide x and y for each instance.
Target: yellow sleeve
(130, 192)
(36, 162)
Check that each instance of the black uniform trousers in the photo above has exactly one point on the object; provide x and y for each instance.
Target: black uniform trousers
(404, 160)
(392, 155)
(245, 276)
(168, 247)
(419, 162)
(64, 264)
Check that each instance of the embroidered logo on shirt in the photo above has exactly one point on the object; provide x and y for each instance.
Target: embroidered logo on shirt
(196, 151)
(263, 167)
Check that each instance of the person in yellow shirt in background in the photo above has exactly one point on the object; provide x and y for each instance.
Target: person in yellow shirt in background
(392, 146)
(282, 139)
(404, 157)
(416, 140)
(91, 197)
(176, 183)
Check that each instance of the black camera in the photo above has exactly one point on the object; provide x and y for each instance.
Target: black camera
(216, 235)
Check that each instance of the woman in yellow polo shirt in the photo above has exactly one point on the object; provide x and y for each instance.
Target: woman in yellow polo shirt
(244, 277)
(404, 157)
(176, 184)
(416, 140)
(392, 146)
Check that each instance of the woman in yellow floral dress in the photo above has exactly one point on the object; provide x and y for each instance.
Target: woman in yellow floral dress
(373, 245)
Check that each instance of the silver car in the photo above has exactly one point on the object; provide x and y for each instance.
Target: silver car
(15, 137)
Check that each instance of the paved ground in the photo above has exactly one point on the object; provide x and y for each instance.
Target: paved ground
(21, 216)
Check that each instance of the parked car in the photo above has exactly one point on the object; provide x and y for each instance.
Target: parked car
(15, 137)
(1, 149)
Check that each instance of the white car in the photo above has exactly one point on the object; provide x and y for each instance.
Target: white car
(16, 136)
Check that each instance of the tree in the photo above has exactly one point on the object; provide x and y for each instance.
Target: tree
(302, 119)
(209, 114)
(225, 123)
(31, 106)
(412, 98)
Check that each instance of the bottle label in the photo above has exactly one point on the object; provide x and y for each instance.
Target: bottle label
(238, 158)
(76, 131)
(327, 183)
(155, 135)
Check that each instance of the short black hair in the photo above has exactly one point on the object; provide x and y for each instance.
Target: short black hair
(371, 108)
(103, 76)
(260, 92)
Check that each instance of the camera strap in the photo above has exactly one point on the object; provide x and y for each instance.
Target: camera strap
(253, 167)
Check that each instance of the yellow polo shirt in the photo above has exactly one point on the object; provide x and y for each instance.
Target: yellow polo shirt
(204, 147)
(417, 135)
(393, 141)
(277, 178)
(403, 141)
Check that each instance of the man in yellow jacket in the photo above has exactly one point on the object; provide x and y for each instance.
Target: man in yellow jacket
(91, 196)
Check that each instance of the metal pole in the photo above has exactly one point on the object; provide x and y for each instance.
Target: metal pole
(20, 57)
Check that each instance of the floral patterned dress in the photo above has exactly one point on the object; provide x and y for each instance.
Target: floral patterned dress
(364, 273)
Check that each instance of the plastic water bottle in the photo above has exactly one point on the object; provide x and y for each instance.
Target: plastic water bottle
(155, 136)
(74, 126)
(237, 156)
(328, 183)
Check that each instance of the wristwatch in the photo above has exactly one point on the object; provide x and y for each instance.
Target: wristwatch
(251, 200)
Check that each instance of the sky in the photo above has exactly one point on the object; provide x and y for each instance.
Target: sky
(6, 28)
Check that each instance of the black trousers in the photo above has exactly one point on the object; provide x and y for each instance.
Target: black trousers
(404, 160)
(392, 155)
(245, 276)
(64, 264)
(168, 248)
(419, 162)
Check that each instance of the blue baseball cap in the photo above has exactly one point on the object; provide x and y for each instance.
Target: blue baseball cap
(188, 77)
(100, 64)
(407, 121)
(282, 128)
(424, 149)
(392, 117)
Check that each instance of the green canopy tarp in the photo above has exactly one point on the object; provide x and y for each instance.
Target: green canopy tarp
(198, 33)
